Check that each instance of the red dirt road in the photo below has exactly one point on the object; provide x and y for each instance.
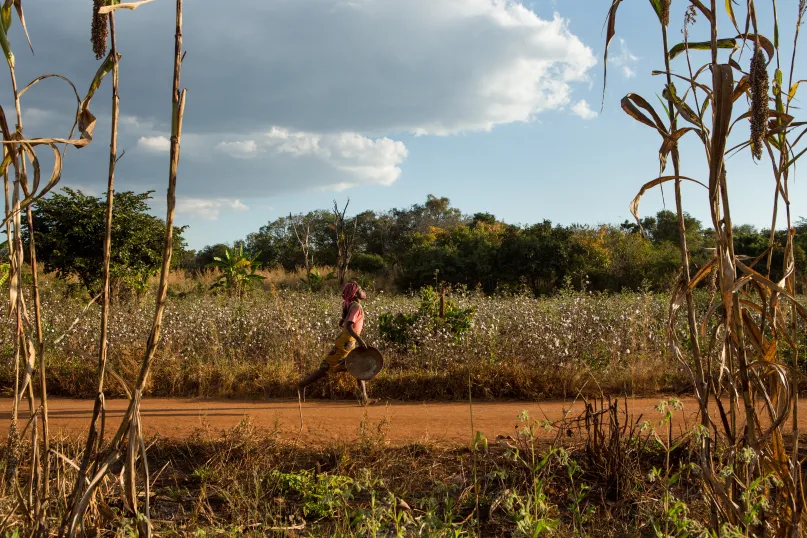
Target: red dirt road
(325, 420)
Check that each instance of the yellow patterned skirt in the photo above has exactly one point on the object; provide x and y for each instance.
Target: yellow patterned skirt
(335, 359)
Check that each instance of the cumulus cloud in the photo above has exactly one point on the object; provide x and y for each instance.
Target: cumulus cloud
(312, 94)
(362, 159)
(208, 209)
(241, 149)
(374, 67)
(155, 144)
(582, 109)
(625, 60)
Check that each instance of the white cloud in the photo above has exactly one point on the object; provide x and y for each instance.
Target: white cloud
(625, 60)
(242, 149)
(341, 159)
(378, 67)
(154, 144)
(342, 80)
(582, 109)
(208, 209)
(136, 123)
(37, 116)
(362, 159)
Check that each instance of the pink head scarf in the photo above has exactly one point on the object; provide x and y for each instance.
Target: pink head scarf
(349, 292)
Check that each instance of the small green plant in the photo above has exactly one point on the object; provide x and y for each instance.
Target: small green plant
(439, 314)
(675, 521)
(238, 271)
(321, 495)
(314, 281)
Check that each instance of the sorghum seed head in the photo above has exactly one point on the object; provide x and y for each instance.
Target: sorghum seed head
(99, 30)
(665, 12)
(758, 75)
(691, 16)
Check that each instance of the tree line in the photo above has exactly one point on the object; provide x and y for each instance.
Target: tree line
(414, 246)
(434, 241)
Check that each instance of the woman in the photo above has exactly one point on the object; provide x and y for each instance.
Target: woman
(352, 323)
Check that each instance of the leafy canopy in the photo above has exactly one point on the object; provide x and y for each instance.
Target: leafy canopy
(69, 229)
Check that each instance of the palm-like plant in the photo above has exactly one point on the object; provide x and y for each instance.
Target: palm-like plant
(238, 271)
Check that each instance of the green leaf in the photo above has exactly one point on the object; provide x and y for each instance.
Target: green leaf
(667, 110)
(775, 28)
(6, 46)
(730, 11)
(795, 88)
(5, 17)
(658, 8)
(701, 45)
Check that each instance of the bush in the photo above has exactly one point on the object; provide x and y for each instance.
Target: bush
(368, 263)
(400, 328)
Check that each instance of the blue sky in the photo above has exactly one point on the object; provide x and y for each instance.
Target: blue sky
(293, 104)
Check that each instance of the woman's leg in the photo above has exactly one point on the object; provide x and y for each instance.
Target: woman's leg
(316, 376)
(363, 389)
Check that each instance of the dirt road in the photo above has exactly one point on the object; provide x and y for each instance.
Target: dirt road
(325, 420)
(322, 419)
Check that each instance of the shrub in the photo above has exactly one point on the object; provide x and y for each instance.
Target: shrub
(400, 328)
(368, 263)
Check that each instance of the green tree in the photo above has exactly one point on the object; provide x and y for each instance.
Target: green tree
(70, 228)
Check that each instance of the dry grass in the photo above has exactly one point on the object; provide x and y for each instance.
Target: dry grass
(246, 482)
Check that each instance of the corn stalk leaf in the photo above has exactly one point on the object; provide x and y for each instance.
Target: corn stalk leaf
(772, 286)
(683, 109)
(56, 173)
(793, 89)
(630, 103)
(5, 17)
(85, 119)
(21, 15)
(669, 143)
(764, 42)
(701, 45)
(742, 87)
(723, 84)
(131, 6)
(611, 31)
(730, 11)
(6, 46)
(30, 361)
(634, 205)
(658, 8)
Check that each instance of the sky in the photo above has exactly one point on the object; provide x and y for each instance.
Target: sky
(293, 104)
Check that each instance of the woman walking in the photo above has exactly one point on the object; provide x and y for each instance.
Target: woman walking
(352, 323)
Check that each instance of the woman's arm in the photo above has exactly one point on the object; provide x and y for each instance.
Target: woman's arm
(352, 332)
